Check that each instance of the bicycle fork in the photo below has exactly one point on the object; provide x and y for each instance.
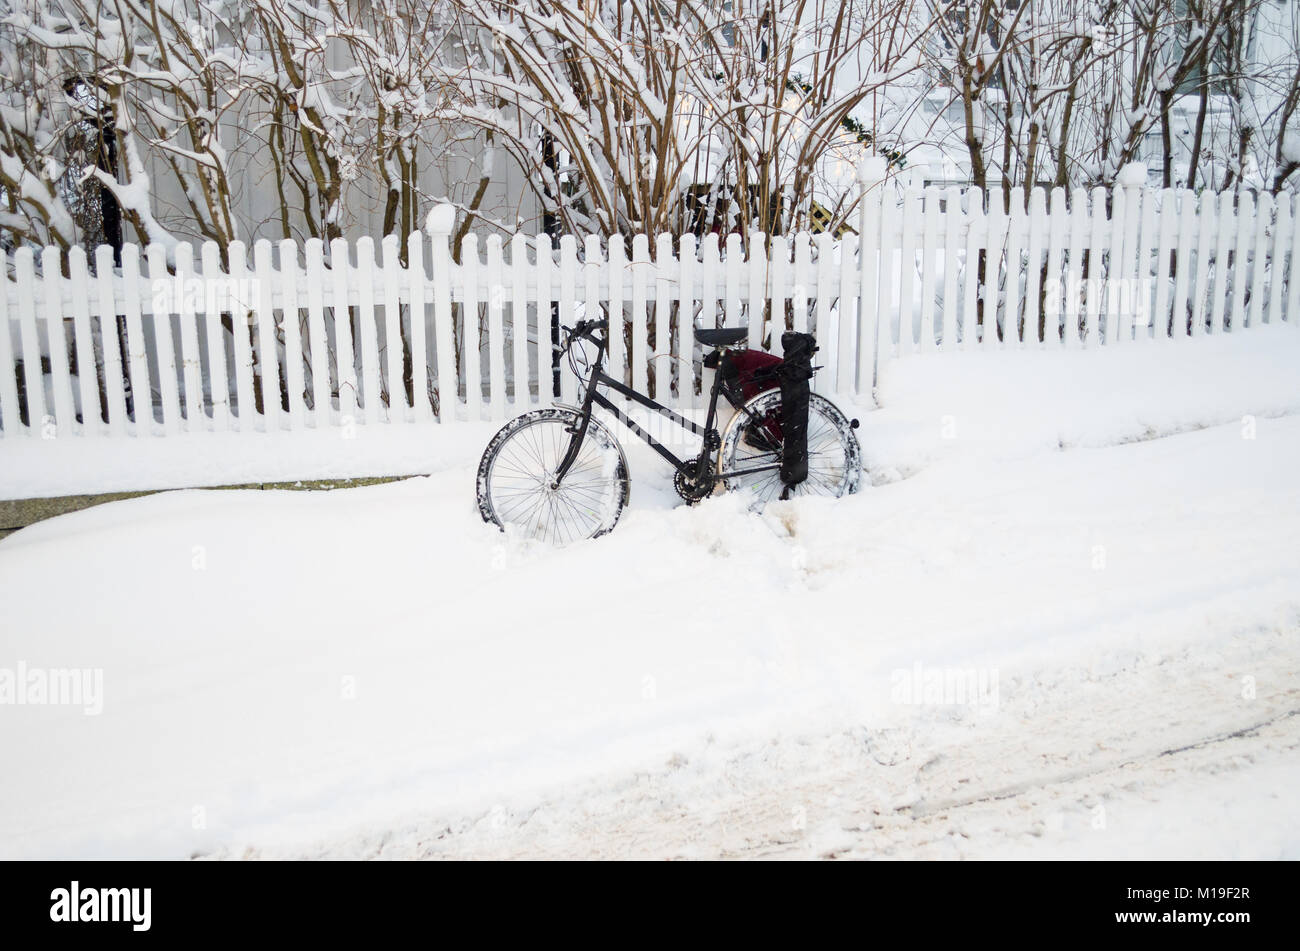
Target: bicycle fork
(580, 432)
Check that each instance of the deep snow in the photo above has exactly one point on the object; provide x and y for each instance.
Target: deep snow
(1109, 537)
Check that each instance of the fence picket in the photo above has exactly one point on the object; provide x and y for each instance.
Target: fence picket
(822, 316)
(592, 266)
(1201, 301)
(779, 270)
(368, 331)
(1125, 215)
(929, 264)
(497, 345)
(912, 213)
(1282, 241)
(1017, 226)
(617, 268)
(1184, 261)
(1239, 269)
(1144, 313)
(868, 293)
(56, 337)
(187, 320)
(295, 371)
(663, 362)
(11, 425)
(954, 222)
(1293, 273)
(886, 320)
(1123, 235)
(267, 338)
(33, 377)
(640, 280)
(216, 286)
(519, 321)
(757, 266)
(161, 321)
(734, 265)
(1259, 257)
(846, 315)
(1051, 318)
(317, 341)
(241, 322)
(1093, 334)
(394, 348)
(995, 224)
(419, 322)
(543, 300)
(1227, 230)
(137, 344)
(344, 351)
(443, 276)
(802, 281)
(1160, 320)
(185, 309)
(1073, 309)
(1037, 233)
(568, 298)
(686, 322)
(710, 271)
(106, 313)
(975, 231)
(472, 345)
(83, 343)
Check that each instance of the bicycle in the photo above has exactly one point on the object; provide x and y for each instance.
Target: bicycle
(560, 475)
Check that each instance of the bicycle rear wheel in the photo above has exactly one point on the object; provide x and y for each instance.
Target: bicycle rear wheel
(753, 439)
(518, 467)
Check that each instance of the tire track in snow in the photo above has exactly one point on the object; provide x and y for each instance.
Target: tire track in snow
(1039, 774)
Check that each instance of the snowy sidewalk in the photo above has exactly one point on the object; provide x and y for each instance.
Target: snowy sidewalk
(1085, 765)
(292, 672)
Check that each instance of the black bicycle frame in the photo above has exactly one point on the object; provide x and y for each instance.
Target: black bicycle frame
(693, 468)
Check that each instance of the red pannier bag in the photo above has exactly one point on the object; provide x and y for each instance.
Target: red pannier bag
(745, 374)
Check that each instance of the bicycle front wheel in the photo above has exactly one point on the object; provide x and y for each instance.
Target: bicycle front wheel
(753, 439)
(516, 476)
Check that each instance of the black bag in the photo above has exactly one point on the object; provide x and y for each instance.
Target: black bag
(795, 372)
(746, 373)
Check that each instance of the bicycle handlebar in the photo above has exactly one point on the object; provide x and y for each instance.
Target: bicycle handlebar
(583, 328)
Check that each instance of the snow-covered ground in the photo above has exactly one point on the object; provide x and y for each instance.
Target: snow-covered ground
(1064, 620)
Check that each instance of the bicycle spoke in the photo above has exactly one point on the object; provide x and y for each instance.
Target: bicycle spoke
(830, 466)
(520, 481)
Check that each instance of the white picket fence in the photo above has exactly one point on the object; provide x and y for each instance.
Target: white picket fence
(322, 336)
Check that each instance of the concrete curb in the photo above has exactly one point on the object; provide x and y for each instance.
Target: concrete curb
(17, 514)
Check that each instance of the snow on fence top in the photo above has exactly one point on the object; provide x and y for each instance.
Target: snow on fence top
(160, 345)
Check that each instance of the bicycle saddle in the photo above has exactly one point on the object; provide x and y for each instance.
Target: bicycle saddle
(722, 337)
